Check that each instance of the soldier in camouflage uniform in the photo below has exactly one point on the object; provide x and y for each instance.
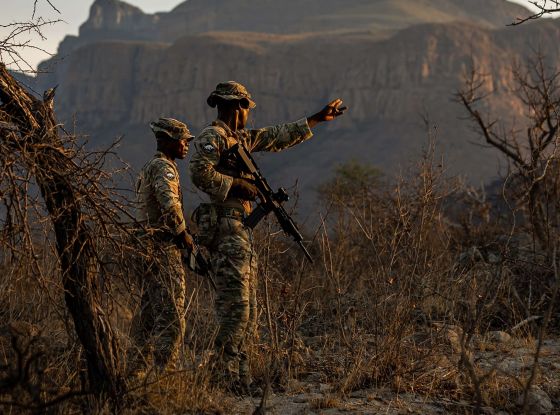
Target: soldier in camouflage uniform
(159, 328)
(220, 222)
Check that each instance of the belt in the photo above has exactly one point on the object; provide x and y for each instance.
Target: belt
(229, 212)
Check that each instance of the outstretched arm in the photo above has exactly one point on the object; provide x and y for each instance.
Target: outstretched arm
(282, 136)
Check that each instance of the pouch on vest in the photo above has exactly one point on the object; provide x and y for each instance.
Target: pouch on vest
(206, 219)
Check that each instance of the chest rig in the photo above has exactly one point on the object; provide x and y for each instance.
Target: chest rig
(228, 164)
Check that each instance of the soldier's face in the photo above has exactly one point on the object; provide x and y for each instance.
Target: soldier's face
(242, 117)
(180, 148)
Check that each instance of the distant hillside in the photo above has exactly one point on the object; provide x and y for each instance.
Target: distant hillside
(389, 79)
(114, 19)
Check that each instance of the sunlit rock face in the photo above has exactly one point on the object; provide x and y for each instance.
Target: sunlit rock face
(395, 63)
(111, 15)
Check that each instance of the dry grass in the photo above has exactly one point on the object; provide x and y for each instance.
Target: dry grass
(397, 297)
(407, 279)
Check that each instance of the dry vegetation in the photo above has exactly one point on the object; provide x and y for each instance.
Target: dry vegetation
(412, 283)
(408, 279)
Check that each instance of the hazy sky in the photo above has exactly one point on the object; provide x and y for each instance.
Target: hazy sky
(74, 13)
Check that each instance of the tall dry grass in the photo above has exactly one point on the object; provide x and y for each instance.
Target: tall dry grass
(402, 285)
(408, 277)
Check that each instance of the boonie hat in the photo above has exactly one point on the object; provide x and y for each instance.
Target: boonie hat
(229, 91)
(176, 130)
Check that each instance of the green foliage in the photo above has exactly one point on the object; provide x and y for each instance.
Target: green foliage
(351, 179)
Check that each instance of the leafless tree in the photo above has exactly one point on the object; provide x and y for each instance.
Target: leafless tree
(32, 149)
(543, 8)
(20, 38)
(36, 152)
(532, 155)
(533, 158)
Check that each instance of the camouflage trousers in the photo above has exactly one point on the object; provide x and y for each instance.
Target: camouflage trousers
(159, 327)
(235, 264)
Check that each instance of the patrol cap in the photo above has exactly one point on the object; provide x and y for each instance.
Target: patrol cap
(230, 90)
(176, 130)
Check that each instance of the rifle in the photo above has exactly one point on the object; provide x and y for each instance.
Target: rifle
(270, 201)
(198, 263)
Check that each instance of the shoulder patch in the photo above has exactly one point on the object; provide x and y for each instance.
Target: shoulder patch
(209, 148)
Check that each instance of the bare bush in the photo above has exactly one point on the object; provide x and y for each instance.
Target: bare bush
(543, 8)
(531, 191)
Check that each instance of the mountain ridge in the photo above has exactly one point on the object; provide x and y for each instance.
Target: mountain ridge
(389, 79)
(114, 19)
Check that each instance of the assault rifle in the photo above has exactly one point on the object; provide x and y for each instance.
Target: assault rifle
(270, 201)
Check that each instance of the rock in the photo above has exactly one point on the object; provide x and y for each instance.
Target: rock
(293, 16)
(454, 339)
(295, 385)
(313, 377)
(513, 366)
(300, 399)
(308, 397)
(111, 19)
(324, 387)
(361, 394)
(498, 337)
(539, 402)
(452, 334)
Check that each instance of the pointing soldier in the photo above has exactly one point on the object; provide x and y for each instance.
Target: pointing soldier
(220, 222)
(159, 328)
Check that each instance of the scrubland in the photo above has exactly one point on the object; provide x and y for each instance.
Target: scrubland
(425, 296)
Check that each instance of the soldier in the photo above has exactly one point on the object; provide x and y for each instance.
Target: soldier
(159, 328)
(220, 222)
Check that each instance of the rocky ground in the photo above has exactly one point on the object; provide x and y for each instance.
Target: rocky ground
(504, 360)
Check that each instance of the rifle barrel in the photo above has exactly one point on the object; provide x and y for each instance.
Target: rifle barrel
(305, 251)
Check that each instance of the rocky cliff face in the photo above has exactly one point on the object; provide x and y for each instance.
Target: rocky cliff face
(114, 19)
(389, 79)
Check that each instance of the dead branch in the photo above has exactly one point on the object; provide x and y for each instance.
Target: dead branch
(533, 160)
(35, 143)
(544, 7)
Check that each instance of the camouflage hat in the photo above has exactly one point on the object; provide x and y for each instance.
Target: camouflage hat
(230, 90)
(176, 130)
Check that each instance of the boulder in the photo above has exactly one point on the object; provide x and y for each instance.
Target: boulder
(539, 402)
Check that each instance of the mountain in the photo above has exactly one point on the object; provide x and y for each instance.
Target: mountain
(391, 61)
(114, 19)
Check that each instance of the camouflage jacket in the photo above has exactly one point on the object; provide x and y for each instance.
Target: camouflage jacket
(159, 197)
(217, 138)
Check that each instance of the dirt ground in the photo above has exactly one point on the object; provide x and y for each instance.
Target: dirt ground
(506, 360)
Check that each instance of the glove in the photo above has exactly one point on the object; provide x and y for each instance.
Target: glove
(184, 241)
(243, 189)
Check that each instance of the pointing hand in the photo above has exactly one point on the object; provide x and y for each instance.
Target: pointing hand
(333, 110)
